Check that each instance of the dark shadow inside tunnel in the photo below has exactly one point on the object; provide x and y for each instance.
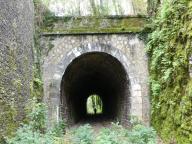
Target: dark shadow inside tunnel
(94, 73)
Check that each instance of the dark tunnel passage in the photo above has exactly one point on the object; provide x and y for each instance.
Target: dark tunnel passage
(94, 73)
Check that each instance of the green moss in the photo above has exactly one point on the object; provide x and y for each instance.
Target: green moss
(12, 88)
(153, 6)
(71, 25)
(8, 108)
(8, 111)
(36, 88)
(169, 49)
(8, 123)
(43, 17)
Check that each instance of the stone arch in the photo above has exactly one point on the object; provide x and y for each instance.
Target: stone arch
(56, 109)
(100, 73)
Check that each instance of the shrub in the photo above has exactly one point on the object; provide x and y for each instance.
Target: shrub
(33, 131)
(36, 114)
(26, 135)
(142, 135)
(59, 129)
(117, 134)
(106, 136)
(83, 135)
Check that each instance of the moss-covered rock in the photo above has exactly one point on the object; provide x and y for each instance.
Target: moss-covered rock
(169, 48)
(16, 42)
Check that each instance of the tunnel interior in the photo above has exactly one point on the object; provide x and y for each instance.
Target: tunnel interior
(94, 73)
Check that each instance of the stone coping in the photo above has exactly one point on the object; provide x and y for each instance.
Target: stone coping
(94, 25)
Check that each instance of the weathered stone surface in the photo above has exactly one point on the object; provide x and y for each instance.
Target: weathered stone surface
(108, 24)
(127, 49)
(16, 41)
(99, 7)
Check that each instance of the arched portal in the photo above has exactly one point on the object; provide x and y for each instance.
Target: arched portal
(98, 73)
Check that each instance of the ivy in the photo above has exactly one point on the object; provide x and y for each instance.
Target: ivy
(169, 49)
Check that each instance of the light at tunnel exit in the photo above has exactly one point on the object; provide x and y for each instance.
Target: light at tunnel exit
(94, 104)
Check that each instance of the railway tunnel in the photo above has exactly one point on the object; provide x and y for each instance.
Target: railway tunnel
(96, 73)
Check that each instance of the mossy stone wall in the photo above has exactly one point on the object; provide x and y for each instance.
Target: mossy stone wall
(169, 49)
(16, 57)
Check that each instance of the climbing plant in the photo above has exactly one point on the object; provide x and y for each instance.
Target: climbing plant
(169, 49)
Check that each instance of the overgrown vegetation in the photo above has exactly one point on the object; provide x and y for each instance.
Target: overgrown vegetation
(116, 134)
(34, 131)
(153, 6)
(169, 49)
(40, 16)
(82, 135)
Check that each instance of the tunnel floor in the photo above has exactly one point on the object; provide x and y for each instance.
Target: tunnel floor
(94, 73)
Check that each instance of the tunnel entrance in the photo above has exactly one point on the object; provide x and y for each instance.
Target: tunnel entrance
(95, 73)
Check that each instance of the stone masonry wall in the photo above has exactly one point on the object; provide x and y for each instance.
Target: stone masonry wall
(59, 51)
(16, 42)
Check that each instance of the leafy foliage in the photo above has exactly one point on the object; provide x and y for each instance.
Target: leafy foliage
(142, 135)
(26, 134)
(169, 49)
(116, 134)
(59, 129)
(106, 136)
(33, 130)
(83, 135)
(36, 114)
